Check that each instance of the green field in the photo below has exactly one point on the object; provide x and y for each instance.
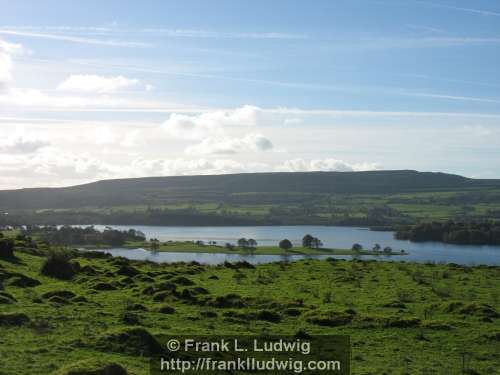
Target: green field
(442, 319)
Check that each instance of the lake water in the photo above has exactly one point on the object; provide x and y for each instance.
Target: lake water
(332, 237)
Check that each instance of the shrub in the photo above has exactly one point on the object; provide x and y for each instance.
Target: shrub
(58, 265)
(6, 249)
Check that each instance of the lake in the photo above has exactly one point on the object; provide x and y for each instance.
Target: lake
(333, 237)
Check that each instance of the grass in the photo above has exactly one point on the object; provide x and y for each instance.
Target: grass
(400, 316)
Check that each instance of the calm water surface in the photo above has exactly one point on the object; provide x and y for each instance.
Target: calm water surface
(334, 237)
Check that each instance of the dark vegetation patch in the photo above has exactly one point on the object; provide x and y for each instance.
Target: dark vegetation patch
(13, 319)
(127, 270)
(132, 341)
(92, 367)
(166, 309)
(59, 265)
(231, 300)
(184, 281)
(329, 318)
(103, 286)
(22, 281)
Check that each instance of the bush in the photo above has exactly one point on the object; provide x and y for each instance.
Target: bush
(58, 265)
(6, 249)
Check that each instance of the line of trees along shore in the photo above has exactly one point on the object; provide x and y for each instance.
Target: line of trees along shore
(470, 233)
(68, 235)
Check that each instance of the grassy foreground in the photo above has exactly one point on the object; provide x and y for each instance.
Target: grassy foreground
(402, 317)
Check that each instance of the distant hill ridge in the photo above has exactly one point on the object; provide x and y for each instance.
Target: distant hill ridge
(157, 190)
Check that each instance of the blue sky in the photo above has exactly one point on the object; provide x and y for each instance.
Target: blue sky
(94, 89)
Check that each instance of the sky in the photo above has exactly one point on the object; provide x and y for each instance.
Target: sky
(92, 90)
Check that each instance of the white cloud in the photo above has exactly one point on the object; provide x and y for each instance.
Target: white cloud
(67, 166)
(228, 145)
(91, 83)
(328, 164)
(180, 166)
(21, 142)
(52, 167)
(7, 50)
(201, 125)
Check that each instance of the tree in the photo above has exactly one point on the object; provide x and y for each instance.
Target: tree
(376, 247)
(229, 246)
(252, 243)
(307, 240)
(357, 247)
(387, 249)
(285, 244)
(316, 243)
(242, 242)
(155, 244)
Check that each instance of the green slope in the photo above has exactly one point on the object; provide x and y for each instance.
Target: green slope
(219, 188)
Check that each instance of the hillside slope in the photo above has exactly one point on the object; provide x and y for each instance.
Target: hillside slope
(167, 190)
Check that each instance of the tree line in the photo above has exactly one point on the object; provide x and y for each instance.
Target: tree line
(67, 235)
(462, 233)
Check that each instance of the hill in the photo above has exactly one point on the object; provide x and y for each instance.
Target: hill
(220, 188)
(376, 199)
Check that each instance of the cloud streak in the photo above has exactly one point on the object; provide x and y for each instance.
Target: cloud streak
(460, 9)
(158, 32)
(75, 39)
(92, 83)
